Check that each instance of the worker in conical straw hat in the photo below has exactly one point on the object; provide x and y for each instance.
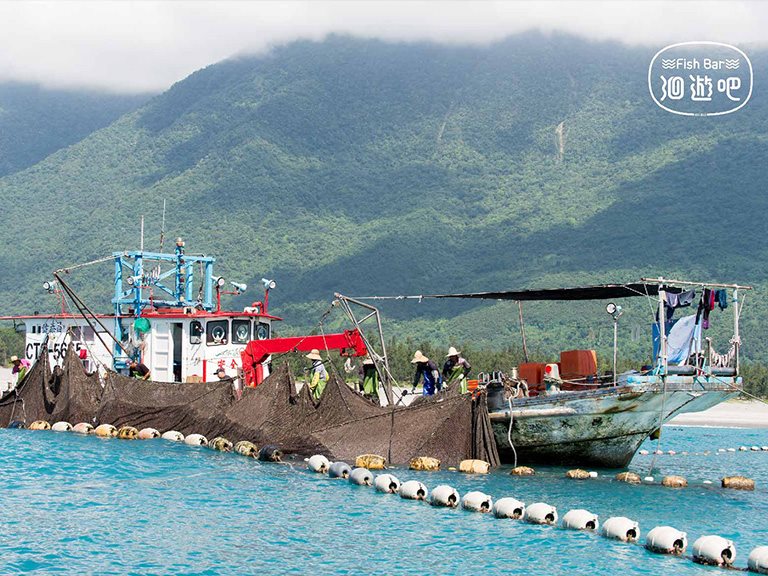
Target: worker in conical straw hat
(456, 369)
(427, 371)
(20, 367)
(318, 375)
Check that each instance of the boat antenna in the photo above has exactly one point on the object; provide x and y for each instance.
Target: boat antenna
(162, 229)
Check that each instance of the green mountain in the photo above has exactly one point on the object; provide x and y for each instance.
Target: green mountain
(367, 167)
(35, 122)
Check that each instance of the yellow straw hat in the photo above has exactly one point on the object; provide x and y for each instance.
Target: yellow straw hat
(314, 354)
(452, 352)
(419, 357)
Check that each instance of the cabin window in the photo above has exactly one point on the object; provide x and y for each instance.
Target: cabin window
(262, 331)
(195, 332)
(216, 332)
(84, 334)
(241, 331)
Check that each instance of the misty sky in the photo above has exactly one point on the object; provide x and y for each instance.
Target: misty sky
(147, 46)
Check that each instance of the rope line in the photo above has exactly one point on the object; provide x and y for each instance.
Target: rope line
(509, 432)
(68, 269)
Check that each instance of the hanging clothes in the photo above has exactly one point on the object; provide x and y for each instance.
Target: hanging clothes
(674, 301)
(706, 305)
(722, 298)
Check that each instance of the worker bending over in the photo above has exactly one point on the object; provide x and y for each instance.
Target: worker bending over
(456, 369)
(427, 371)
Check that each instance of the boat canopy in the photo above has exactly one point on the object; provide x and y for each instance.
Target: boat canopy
(647, 287)
(602, 292)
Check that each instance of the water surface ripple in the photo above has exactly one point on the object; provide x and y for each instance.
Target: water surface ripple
(86, 505)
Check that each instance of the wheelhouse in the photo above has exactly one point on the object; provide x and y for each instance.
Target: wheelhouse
(158, 320)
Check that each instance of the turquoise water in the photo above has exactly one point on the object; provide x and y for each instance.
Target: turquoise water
(85, 505)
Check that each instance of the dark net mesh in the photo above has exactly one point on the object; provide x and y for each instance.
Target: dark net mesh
(63, 393)
(341, 425)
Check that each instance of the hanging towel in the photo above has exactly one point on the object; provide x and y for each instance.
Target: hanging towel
(680, 337)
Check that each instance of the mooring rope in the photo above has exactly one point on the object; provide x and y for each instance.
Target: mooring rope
(509, 432)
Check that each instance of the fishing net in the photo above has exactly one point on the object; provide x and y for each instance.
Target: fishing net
(63, 392)
(341, 425)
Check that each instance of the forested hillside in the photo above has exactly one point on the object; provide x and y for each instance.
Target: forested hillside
(35, 122)
(367, 168)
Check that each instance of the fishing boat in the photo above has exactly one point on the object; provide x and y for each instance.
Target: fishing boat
(559, 412)
(565, 412)
(162, 317)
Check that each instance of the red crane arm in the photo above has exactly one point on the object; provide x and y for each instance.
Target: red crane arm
(349, 343)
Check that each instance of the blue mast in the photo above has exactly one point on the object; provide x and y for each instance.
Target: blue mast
(175, 286)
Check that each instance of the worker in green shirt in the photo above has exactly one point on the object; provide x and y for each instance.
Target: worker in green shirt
(456, 369)
(318, 374)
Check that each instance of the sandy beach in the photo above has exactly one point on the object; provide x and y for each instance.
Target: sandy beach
(734, 413)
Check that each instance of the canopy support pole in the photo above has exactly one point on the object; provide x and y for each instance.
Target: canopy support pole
(522, 329)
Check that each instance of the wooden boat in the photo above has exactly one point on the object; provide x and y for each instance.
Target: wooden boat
(562, 414)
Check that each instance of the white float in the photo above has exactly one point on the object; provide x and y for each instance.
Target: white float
(714, 550)
(758, 560)
(82, 428)
(196, 440)
(541, 513)
(580, 519)
(509, 508)
(61, 427)
(361, 477)
(173, 436)
(387, 483)
(621, 528)
(666, 540)
(339, 470)
(318, 463)
(477, 502)
(413, 490)
(444, 495)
